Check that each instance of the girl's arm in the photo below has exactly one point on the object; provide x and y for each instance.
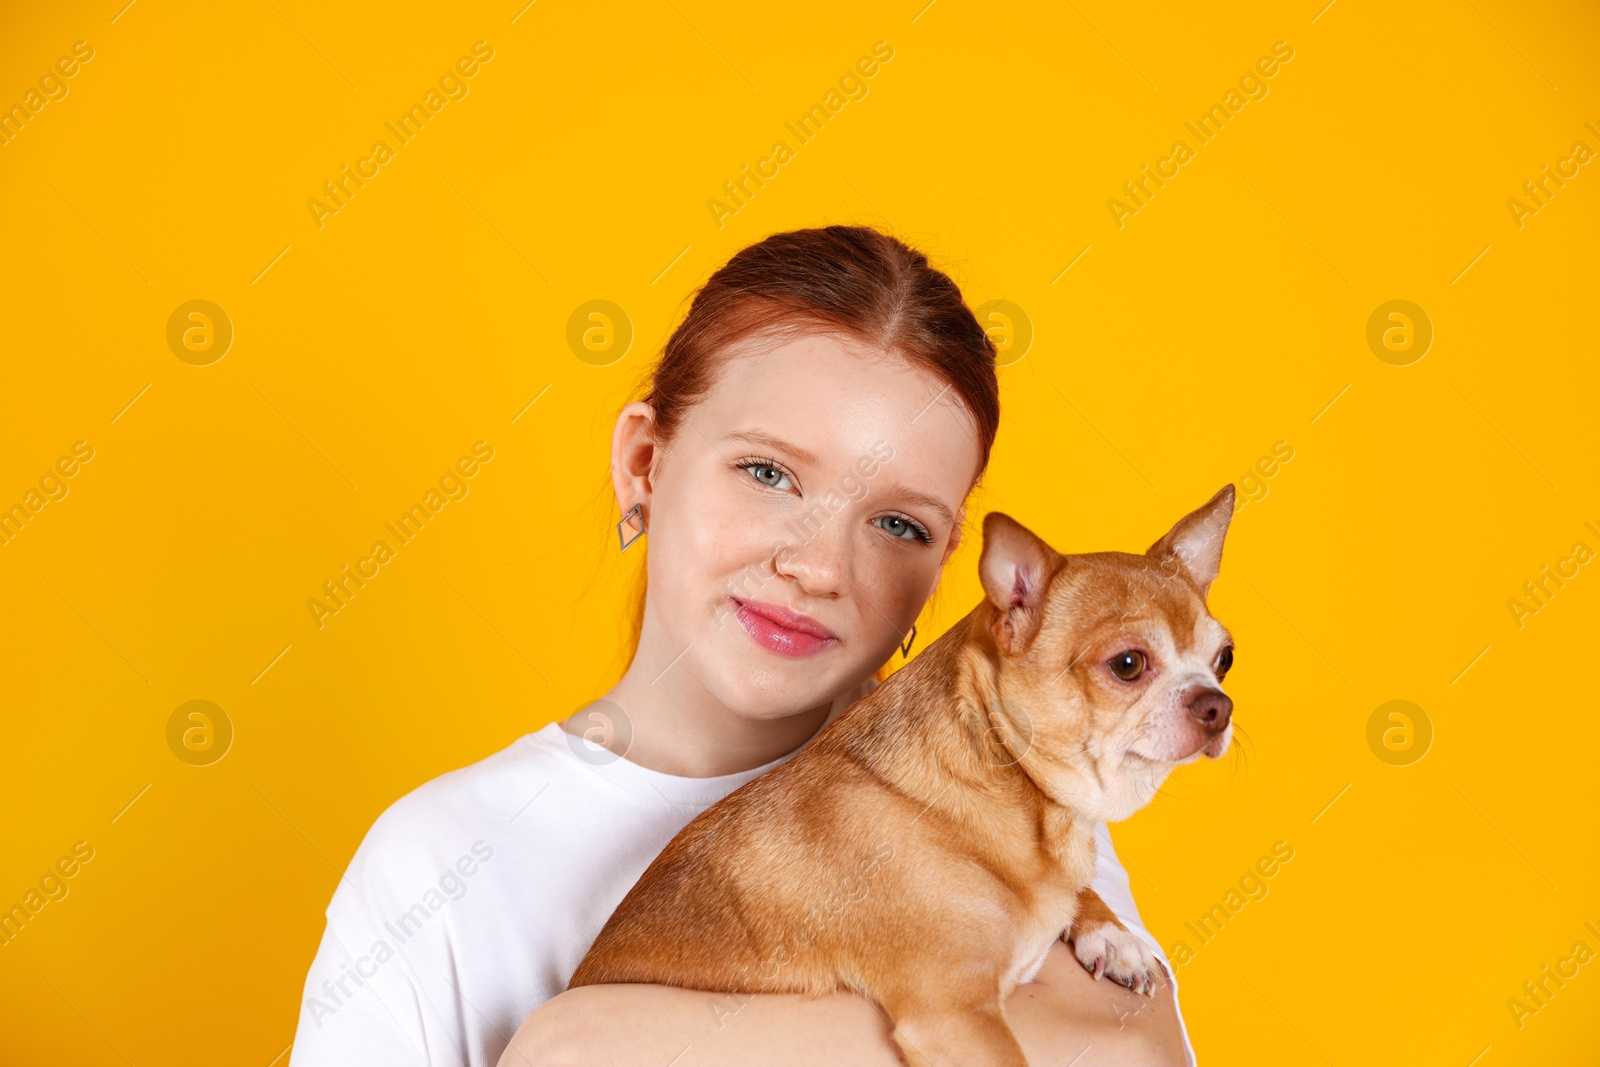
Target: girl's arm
(1062, 1013)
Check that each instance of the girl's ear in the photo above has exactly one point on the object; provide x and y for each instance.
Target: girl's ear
(634, 458)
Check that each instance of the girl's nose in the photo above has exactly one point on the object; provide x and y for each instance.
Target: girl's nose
(818, 563)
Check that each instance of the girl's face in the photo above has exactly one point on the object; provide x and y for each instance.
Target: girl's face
(799, 520)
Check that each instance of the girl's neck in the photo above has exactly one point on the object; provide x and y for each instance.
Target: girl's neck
(705, 740)
(674, 725)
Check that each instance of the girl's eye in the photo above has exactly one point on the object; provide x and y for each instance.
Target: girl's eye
(1127, 665)
(766, 474)
(899, 526)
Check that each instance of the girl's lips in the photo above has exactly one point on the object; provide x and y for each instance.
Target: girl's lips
(779, 630)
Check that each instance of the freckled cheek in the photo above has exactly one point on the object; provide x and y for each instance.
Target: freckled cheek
(722, 536)
(896, 587)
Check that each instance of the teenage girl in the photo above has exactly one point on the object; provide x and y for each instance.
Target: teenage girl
(800, 462)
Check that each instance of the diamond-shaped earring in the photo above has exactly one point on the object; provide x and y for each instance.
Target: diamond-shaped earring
(905, 649)
(626, 541)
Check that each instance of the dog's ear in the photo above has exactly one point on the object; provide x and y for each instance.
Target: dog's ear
(1016, 567)
(1196, 540)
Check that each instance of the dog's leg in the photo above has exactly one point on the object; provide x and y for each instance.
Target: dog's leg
(1104, 946)
(957, 1037)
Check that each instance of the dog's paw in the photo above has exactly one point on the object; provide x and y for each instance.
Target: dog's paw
(1107, 949)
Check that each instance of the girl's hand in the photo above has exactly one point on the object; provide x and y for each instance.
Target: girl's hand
(1061, 1014)
(654, 1025)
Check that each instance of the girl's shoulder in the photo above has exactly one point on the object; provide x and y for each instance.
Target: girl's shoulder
(483, 787)
(430, 827)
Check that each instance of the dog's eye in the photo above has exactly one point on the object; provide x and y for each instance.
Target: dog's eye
(1127, 665)
(1224, 661)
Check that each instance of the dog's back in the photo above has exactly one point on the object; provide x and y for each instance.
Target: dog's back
(762, 892)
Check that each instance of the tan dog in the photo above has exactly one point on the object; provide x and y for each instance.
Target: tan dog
(931, 843)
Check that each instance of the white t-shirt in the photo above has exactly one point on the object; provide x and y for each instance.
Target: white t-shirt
(473, 898)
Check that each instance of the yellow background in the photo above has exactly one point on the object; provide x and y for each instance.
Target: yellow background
(1227, 315)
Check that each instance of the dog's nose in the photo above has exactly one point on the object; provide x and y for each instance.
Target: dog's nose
(1211, 708)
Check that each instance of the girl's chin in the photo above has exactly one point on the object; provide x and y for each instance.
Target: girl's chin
(774, 693)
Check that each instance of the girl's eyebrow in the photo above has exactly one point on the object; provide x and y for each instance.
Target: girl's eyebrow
(913, 496)
(932, 503)
(756, 437)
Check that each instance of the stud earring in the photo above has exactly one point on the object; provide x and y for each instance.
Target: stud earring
(905, 649)
(626, 541)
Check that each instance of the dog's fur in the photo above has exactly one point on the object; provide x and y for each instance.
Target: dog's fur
(931, 843)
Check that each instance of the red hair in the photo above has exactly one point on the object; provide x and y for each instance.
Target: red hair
(845, 280)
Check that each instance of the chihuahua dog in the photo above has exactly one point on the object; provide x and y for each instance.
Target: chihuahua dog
(929, 845)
